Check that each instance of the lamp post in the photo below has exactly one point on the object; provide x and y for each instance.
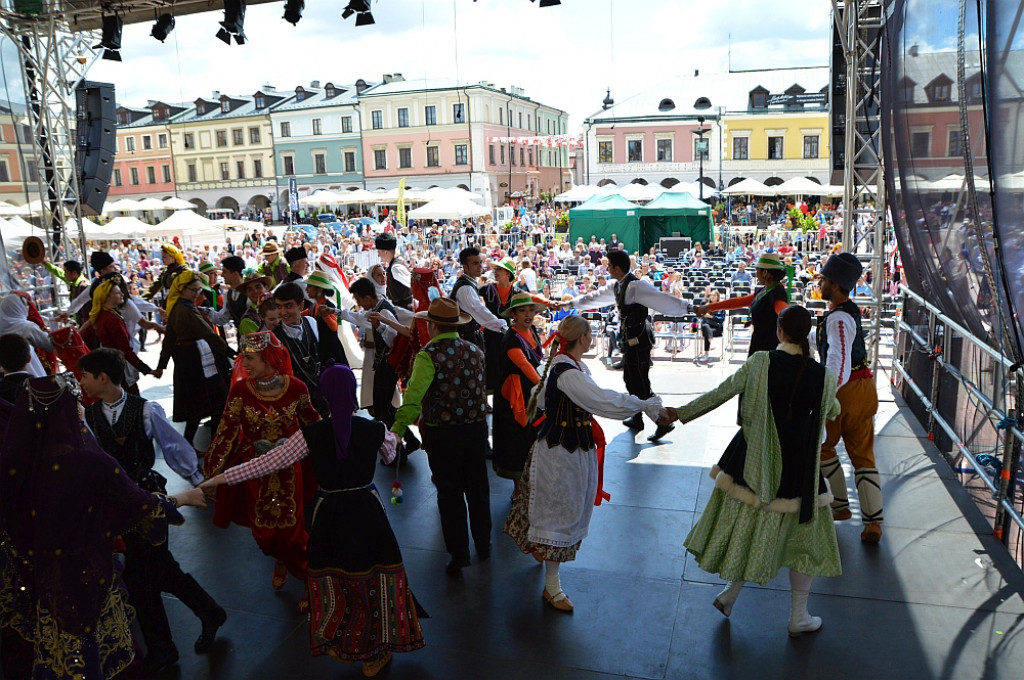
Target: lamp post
(702, 148)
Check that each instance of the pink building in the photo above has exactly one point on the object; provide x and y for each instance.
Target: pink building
(143, 166)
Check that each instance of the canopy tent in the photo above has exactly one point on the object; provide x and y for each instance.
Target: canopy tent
(14, 232)
(694, 188)
(123, 205)
(448, 208)
(179, 223)
(799, 186)
(176, 203)
(579, 193)
(749, 187)
(675, 214)
(325, 197)
(435, 193)
(640, 192)
(604, 215)
(150, 204)
(119, 228)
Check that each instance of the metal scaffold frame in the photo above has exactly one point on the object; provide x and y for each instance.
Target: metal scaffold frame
(53, 62)
(859, 25)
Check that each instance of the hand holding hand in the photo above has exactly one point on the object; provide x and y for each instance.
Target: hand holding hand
(158, 373)
(668, 416)
(209, 487)
(193, 497)
(701, 310)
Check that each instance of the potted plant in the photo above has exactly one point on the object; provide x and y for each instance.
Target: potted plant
(795, 215)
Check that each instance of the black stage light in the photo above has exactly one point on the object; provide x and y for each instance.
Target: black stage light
(111, 39)
(293, 11)
(550, 3)
(163, 27)
(234, 17)
(364, 19)
(361, 8)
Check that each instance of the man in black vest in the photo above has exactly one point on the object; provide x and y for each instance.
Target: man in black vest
(307, 340)
(399, 278)
(633, 299)
(841, 347)
(235, 302)
(467, 293)
(126, 426)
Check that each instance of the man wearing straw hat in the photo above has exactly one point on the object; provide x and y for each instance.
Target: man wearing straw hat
(447, 392)
(273, 264)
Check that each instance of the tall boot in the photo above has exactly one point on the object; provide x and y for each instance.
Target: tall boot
(832, 471)
(727, 598)
(869, 489)
(800, 621)
(211, 614)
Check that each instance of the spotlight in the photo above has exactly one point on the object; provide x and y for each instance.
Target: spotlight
(364, 19)
(361, 8)
(293, 11)
(550, 3)
(163, 26)
(234, 17)
(111, 39)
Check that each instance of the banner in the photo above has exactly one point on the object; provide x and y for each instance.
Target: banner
(549, 141)
(293, 196)
(400, 212)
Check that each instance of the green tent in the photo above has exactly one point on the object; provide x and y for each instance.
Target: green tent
(604, 215)
(675, 214)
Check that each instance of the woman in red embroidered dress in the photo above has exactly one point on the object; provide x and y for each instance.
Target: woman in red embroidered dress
(265, 406)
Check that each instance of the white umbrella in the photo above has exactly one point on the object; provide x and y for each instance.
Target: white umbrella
(176, 203)
(325, 197)
(123, 205)
(951, 182)
(640, 192)
(694, 188)
(799, 186)
(152, 204)
(357, 196)
(16, 230)
(580, 193)
(749, 187)
(121, 227)
(448, 209)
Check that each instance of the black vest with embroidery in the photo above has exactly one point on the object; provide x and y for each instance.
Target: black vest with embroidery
(458, 393)
(764, 321)
(468, 331)
(399, 293)
(236, 304)
(380, 349)
(126, 441)
(304, 353)
(858, 350)
(635, 321)
(565, 424)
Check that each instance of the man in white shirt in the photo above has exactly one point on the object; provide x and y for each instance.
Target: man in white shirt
(633, 298)
(466, 293)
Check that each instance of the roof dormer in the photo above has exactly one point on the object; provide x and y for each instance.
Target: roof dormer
(939, 90)
(758, 98)
(300, 93)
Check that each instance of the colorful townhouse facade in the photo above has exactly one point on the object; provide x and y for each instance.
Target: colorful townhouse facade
(19, 172)
(143, 163)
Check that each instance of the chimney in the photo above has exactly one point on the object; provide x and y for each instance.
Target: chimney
(387, 78)
(696, 72)
(314, 84)
(912, 51)
(216, 94)
(398, 78)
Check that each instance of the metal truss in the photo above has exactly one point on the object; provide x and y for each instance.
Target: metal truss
(858, 29)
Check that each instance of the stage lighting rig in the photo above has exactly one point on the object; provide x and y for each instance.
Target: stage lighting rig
(361, 8)
(293, 11)
(548, 3)
(234, 18)
(163, 27)
(111, 37)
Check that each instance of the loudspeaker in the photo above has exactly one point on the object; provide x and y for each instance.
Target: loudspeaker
(96, 112)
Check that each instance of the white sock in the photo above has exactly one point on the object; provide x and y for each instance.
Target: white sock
(552, 583)
(731, 592)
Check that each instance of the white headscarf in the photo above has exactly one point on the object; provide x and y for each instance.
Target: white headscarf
(14, 319)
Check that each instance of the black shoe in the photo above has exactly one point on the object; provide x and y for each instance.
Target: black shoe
(159, 658)
(483, 553)
(412, 443)
(661, 432)
(211, 622)
(455, 565)
(634, 423)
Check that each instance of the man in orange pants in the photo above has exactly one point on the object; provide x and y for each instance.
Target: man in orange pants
(841, 347)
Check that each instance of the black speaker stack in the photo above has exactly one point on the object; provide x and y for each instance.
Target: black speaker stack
(96, 113)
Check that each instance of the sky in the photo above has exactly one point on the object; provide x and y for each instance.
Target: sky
(564, 56)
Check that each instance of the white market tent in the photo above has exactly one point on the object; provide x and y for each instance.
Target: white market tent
(123, 205)
(579, 193)
(799, 186)
(152, 204)
(176, 203)
(325, 197)
(448, 209)
(435, 193)
(694, 189)
(178, 224)
(749, 187)
(121, 228)
(16, 230)
(640, 192)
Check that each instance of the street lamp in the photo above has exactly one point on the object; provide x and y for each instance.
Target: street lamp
(702, 149)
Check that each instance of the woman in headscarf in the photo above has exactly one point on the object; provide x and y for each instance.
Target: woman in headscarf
(107, 327)
(770, 505)
(363, 608)
(14, 318)
(63, 502)
(266, 405)
(174, 264)
(199, 387)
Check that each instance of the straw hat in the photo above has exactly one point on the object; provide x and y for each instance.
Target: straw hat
(252, 276)
(318, 279)
(271, 248)
(507, 264)
(520, 300)
(444, 312)
(769, 261)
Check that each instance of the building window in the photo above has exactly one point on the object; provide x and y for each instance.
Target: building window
(502, 147)
(403, 117)
(520, 120)
(490, 154)
(954, 144)
(222, 138)
(380, 159)
(461, 154)
(459, 113)
(260, 101)
(147, 142)
(200, 108)
(257, 168)
(346, 124)
(512, 155)
(759, 100)
(318, 128)
(320, 164)
(528, 121)
(920, 144)
(254, 135)
(811, 146)
(225, 106)
(289, 165)
(192, 175)
(530, 154)
(161, 141)
(3, 168)
(190, 140)
(522, 155)
(286, 128)
(150, 175)
(634, 151)
(165, 171)
(405, 157)
(775, 148)
(237, 137)
(665, 150)
(133, 176)
(129, 144)
(350, 161)
(377, 120)
(240, 169)
(225, 170)
(430, 115)
(740, 148)
(501, 116)
(433, 157)
(604, 152)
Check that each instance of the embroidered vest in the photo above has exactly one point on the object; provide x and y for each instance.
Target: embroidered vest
(458, 393)
(126, 441)
(565, 424)
(858, 352)
(634, 318)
